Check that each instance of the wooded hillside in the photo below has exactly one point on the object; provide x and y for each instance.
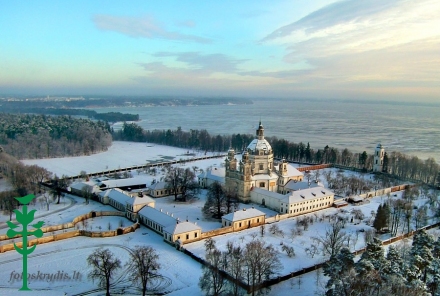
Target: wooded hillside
(40, 136)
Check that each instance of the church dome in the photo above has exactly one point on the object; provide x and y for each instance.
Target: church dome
(259, 143)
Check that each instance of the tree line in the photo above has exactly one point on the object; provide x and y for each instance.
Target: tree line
(395, 164)
(27, 179)
(28, 136)
(251, 264)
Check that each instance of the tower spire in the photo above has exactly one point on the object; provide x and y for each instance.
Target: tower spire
(260, 131)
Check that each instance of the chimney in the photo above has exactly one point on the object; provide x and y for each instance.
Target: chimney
(161, 210)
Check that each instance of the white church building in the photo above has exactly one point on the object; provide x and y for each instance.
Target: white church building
(255, 178)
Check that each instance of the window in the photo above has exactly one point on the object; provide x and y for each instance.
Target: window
(187, 236)
(195, 234)
(239, 225)
(258, 220)
(261, 167)
(178, 237)
(262, 184)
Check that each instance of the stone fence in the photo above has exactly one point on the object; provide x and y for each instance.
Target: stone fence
(72, 224)
(72, 233)
(218, 231)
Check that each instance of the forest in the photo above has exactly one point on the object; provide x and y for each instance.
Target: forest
(27, 136)
(396, 164)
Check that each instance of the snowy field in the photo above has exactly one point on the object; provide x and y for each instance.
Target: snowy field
(300, 243)
(119, 155)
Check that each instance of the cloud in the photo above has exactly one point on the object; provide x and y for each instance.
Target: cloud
(142, 27)
(342, 12)
(203, 64)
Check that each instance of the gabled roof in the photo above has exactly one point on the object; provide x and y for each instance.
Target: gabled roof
(137, 200)
(216, 174)
(243, 214)
(79, 185)
(291, 171)
(116, 194)
(268, 193)
(122, 182)
(308, 194)
(182, 227)
(292, 185)
(157, 216)
(158, 186)
(296, 196)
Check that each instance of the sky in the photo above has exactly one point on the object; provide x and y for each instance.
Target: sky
(359, 49)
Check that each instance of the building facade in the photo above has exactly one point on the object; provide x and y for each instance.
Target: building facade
(379, 154)
(256, 169)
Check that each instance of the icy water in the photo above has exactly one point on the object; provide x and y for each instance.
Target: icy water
(412, 128)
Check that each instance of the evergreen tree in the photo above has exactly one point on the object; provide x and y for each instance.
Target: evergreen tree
(421, 255)
(385, 163)
(382, 217)
(375, 255)
(338, 269)
(395, 265)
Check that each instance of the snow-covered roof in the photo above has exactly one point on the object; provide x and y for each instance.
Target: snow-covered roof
(137, 200)
(122, 182)
(216, 174)
(243, 214)
(158, 185)
(296, 196)
(259, 144)
(340, 202)
(307, 194)
(157, 216)
(292, 185)
(356, 198)
(80, 185)
(268, 193)
(291, 171)
(182, 227)
(116, 194)
(258, 177)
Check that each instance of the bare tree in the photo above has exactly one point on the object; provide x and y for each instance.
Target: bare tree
(212, 280)
(231, 200)
(333, 239)
(260, 262)
(183, 181)
(47, 200)
(86, 192)
(275, 230)
(8, 203)
(143, 266)
(104, 265)
(215, 200)
(234, 257)
(58, 185)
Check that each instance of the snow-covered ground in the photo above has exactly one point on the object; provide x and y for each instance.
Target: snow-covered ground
(181, 273)
(300, 243)
(119, 155)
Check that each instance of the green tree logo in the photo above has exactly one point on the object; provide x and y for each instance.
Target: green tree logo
(24, 218)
